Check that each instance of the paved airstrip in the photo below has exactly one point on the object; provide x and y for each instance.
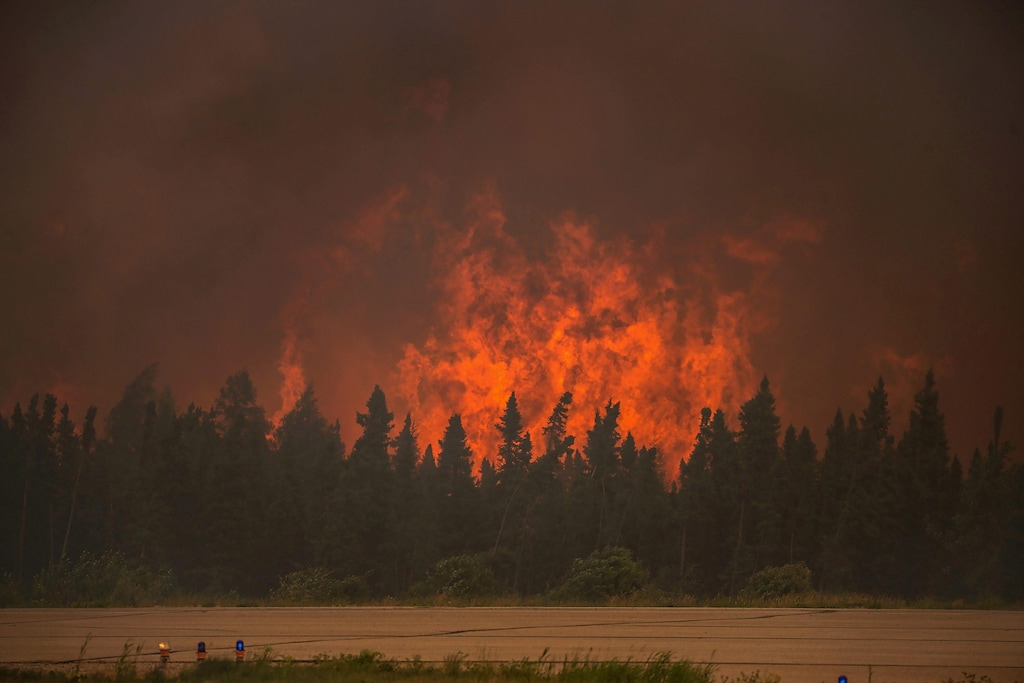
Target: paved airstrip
(800, 645)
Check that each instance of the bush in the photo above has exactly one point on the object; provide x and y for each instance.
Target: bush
(606, 573)
(354, 589)
(461, 576)
(774, 582)
(100, 581)
(317, 586)
(10, 594)
(309, 586)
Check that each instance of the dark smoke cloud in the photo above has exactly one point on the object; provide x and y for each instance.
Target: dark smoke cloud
(174, 177)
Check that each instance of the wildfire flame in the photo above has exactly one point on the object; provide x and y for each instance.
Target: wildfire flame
(293, 378)
(598, 318)
(606, 319)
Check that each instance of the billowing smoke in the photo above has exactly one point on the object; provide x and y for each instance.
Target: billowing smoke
(646, 204)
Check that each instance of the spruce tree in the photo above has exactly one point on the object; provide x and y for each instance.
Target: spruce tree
(368, 499)
(758, 525)
(602, 451)
(726, 469)
(515, 453)
(860, 521)
(922, 468)
(429, 496)
(306, 466)
(82, 448)
(983, 535)
(10, 494)
(834, 567)
(238, 550)
(412, 522)
(876, 505)
(460, 522)
(200, 470)
(544, 556)
(696, 504)
(32, 433)
(798, 504)
(647, 517)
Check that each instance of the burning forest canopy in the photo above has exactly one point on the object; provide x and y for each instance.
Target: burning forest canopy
(603, 319)
(654, 206)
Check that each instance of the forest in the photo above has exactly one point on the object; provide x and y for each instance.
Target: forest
(220, 501)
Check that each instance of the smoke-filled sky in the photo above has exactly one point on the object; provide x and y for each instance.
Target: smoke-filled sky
(655, 203)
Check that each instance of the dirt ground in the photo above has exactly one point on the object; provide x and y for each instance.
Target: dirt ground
(801, 645)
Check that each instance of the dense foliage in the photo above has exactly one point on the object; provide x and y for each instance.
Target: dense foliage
(219, 501)
(606, 573)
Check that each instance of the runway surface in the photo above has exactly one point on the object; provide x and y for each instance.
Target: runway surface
(800, 645)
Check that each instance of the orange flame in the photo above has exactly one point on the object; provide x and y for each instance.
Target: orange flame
(605, 319)
(598, 318)
(293, 379)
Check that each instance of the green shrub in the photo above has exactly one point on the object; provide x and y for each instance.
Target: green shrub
(774, 582)
(354, 589)
(317, 586)
(606, 573)
(10, 593)
(309, 586)
(460, 576)
(102, 580)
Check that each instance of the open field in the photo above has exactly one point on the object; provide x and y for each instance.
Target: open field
(801, 645)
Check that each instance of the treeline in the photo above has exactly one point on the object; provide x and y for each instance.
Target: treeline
(219, 501)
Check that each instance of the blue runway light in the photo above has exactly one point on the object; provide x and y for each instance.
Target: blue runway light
(842, 679)
(240, 647)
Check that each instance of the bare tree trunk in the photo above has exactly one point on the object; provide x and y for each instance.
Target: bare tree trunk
(21, 533)
(52, 514)
(71, 512)
(736, 553)
(682, 552)
(504, 515)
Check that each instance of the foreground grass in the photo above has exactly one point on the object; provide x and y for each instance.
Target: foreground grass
(372, 667)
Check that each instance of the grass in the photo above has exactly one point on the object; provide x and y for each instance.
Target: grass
(650, 595)
(373, 667)
(646, 597)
